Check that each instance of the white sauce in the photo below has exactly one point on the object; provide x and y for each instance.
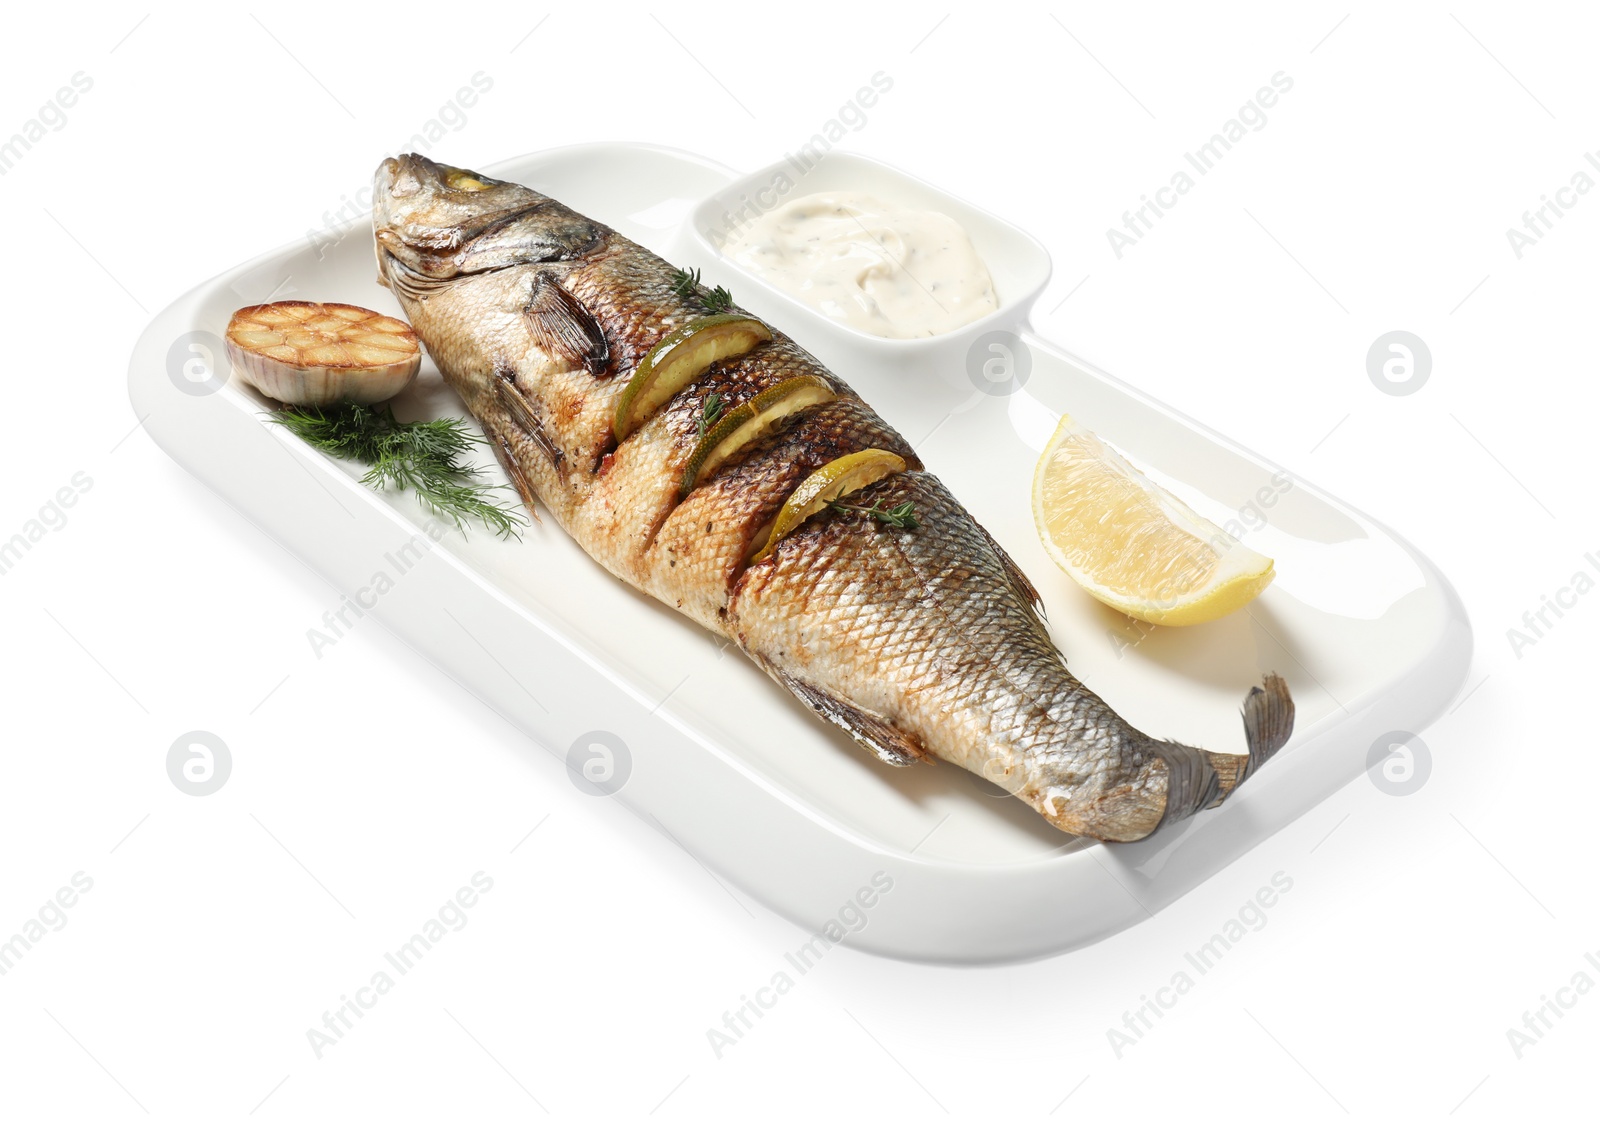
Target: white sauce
(883, 269)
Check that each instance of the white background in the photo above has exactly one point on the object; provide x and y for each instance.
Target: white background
(1418, 929)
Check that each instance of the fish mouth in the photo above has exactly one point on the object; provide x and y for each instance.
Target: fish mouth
(401, 177)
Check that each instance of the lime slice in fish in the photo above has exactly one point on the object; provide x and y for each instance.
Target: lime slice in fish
(826, 485)
(750, 421)
(680, 357)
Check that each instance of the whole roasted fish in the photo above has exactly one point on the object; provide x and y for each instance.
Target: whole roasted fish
(920, 642)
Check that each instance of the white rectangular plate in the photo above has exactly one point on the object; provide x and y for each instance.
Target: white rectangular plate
(1370, 637)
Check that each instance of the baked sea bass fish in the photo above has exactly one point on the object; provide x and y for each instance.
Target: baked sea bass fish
(705, 458)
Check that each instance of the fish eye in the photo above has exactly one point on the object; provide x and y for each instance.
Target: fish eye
(463, 181)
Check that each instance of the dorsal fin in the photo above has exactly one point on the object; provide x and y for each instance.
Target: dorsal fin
(563, 327)
(1019, 579)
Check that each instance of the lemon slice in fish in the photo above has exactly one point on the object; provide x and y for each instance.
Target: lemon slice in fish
(750, 421)
(312, 354)
(826, 485)
(681, 356)
(1130, 543)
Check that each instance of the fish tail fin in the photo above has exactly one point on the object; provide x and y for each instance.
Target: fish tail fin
(1195, 779)
(1268, 719)
(1268, 722)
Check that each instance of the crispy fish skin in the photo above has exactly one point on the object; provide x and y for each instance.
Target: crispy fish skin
(921, 643)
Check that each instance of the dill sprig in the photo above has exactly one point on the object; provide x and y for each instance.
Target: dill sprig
(903, 516)
(423, 456)
(710, 411)
(687, 284)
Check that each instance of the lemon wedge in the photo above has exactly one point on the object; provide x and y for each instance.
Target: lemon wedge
(826, 485)
(1130, 543)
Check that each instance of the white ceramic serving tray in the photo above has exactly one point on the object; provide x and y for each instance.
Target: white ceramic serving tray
(1369, 635)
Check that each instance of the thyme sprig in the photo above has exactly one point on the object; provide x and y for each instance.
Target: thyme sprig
(423, 456)
(687, 284)
(902, 516)
(710, 411)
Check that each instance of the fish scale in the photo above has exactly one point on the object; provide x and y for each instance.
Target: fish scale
(922, 643)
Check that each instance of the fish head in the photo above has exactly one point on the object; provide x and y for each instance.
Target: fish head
(475, 263)
(435, 223)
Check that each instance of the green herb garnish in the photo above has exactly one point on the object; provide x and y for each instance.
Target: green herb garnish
(710, 412)
(686, 284)
(903, 516)
(423, 456)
